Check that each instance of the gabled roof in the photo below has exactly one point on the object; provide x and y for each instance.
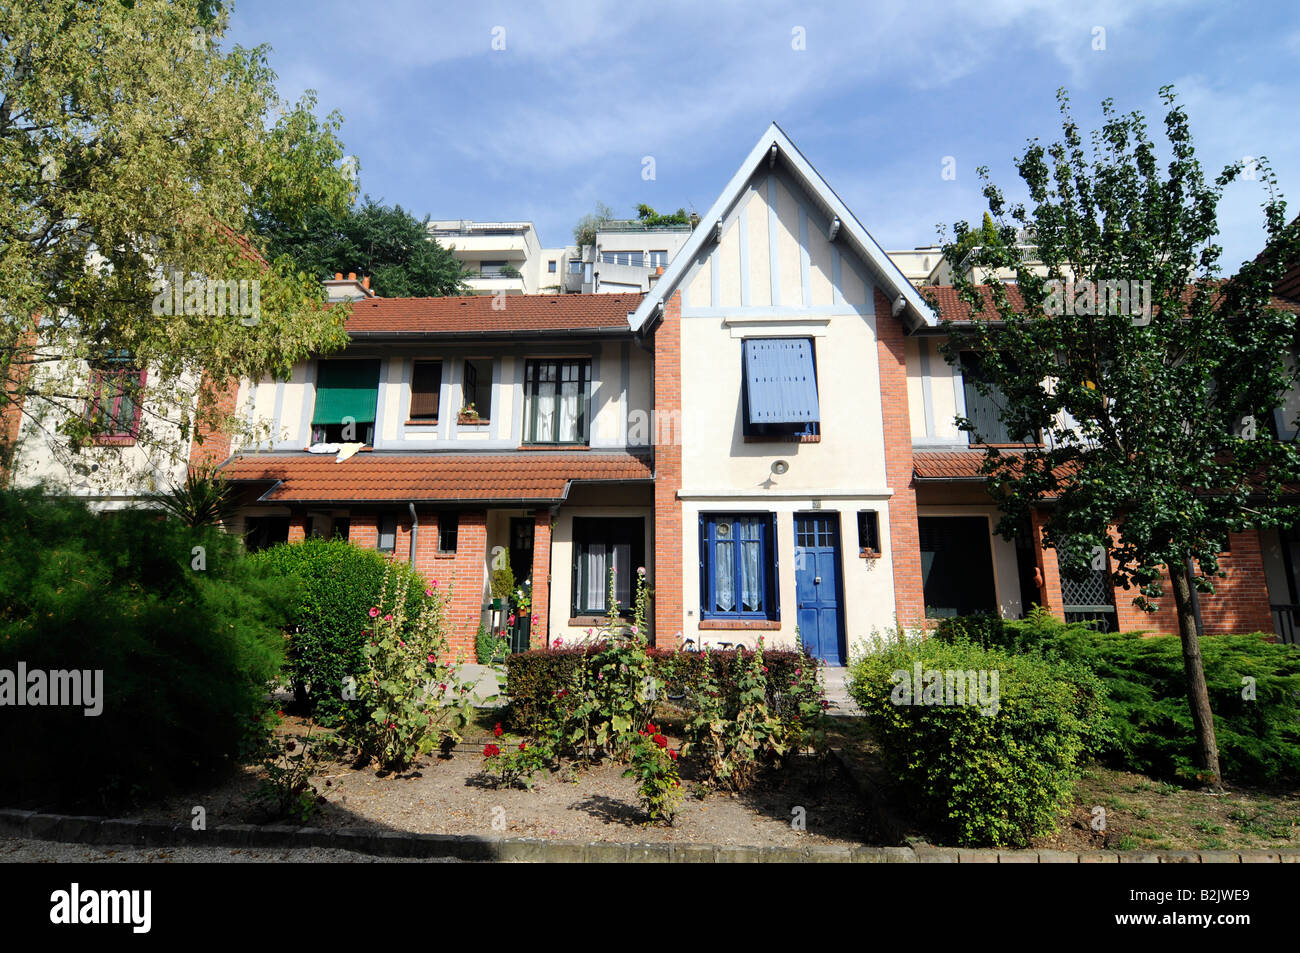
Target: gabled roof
(475, 314)
(526, 477)
(883, 268)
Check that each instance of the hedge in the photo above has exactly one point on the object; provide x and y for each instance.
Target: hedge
(997, 772)
(533, 677)
(187, 653)
(1150, 723)
(336, 584)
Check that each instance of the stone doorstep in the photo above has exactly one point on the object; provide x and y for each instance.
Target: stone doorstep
(100, 830)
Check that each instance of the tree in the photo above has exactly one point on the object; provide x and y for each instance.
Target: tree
(584, 233)
(652, 219)
(1150, 379)
(386, 242)
(133, 149)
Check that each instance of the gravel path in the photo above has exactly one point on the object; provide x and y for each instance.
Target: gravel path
(25, 851)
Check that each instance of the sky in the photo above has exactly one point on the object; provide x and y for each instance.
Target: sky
(535, 111)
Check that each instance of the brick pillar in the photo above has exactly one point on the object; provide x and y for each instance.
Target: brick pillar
(541, 579)
(11, 413)
(666, 573)
(215, 445)
(904, 536)
(298, 525)
(1049, 593)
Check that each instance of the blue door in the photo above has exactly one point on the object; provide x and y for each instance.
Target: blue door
(817, 585)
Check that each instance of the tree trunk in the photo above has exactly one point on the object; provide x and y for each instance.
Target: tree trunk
(1198, 695)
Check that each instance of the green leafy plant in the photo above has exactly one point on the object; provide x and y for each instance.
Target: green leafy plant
(409, 699)
(287, 790)
(490, 646)
(202, 500)
(336, 583)
(515, 766)
(654, 765)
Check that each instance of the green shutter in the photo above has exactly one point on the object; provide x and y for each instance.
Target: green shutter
(346, 389)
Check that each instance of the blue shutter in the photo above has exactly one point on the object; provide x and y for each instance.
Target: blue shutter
(780, 381)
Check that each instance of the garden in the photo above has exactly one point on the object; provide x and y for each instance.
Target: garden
(312, 683)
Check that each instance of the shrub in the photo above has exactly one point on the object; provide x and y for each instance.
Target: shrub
(654, 765)
(1254, 688)
(408, 699)
(187, 654)
(336, 584)
(998, 772)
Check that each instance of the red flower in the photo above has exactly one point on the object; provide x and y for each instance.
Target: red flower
(491, 751)
(496, 732)
(661, 741)
(523, 746)
(672, 754)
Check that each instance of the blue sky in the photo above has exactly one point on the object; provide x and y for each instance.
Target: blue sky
(561, 118)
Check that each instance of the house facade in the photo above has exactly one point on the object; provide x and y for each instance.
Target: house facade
(768, 431)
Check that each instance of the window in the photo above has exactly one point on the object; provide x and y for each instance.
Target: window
(387, 533)
(982, 411)
(262, 532)
(659, 258)
(780, 381)
(342, 527)
(489, 269)
(738, 566)
(448, 523)
(598, 546)
(575, 266)
(550, 266)
(346, 394)
(426, 383)
(868, 533)
(115, 384)
(956, 565)
(555, 394)
(622, 258)
(476, 391)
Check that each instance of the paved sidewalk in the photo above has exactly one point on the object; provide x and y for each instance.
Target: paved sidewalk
(835, 680)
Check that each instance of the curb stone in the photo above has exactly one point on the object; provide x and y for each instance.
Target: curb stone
(130, 831)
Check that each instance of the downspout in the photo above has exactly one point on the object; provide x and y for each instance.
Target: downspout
(415, 531)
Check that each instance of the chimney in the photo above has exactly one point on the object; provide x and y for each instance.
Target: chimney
(348, 289)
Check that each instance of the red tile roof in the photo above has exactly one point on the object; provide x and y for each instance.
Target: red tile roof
(950, 306)
(534, 476)
(474, 314)
(947, 464)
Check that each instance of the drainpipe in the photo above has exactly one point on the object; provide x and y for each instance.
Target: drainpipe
(415, 531)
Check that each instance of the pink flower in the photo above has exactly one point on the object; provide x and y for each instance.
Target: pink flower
(373, 612)
(432, 660)
(589, 631)
(388, 617)
(534, 618)
(557, 643)
(634, 630)
(511, 620)
(428, 592)
(402, 645)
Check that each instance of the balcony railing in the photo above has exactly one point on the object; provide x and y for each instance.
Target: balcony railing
(1286, 622)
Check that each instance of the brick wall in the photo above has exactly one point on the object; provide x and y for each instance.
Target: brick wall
(299, 523)
(11, 415)
(666, 579)
(904, 537)
(1239, 603)
(464, 572)
(215, 447)
(363, 531)
(540, 637)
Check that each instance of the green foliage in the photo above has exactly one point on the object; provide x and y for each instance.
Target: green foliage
(133, 130)
(1143, 412)
(386, 242)
(408, 698)
(287, 792)
(654, 765)
(202, 500)
(187, 656)
(761, 721)
(517, 766)
(1254, 689)
(336, 584)
(503, 583)
(489, 646)
(652, 219)
(995, 774)
(584, 233)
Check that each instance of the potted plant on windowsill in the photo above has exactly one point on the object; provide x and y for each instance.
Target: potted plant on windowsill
(469, 416)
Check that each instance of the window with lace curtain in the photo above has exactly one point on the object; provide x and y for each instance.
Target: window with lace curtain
(556, 397)
(738, 567)
(598, 546)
